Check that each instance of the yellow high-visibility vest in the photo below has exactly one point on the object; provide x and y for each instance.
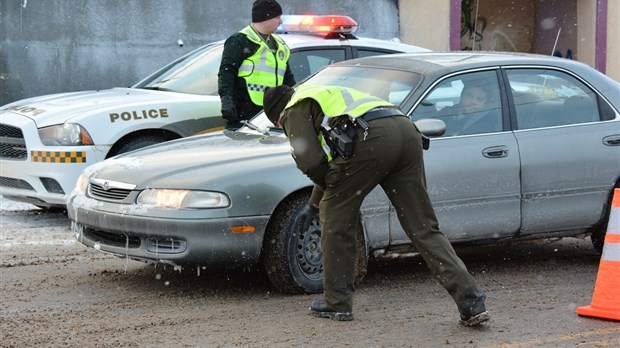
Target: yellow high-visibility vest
(337, 101)
(264, 68)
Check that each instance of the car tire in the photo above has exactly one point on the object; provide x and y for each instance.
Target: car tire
(53, 209)
(126, 145)
(293, 259)
(599, 232)
(598, 238)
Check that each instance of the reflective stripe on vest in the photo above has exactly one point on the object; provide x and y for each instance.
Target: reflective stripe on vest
(264, 68)
(337, 101)
(325, 147)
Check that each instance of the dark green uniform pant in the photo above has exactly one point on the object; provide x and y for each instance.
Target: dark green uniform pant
(391, 156)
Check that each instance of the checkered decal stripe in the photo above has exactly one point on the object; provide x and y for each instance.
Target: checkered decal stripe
(58, 156)
(255, 87)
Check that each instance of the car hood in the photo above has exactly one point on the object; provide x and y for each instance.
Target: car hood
(206, 161)
(55, 109)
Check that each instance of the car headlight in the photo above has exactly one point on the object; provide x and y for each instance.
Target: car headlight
(183, 199)
(81, 184)
(67, 134)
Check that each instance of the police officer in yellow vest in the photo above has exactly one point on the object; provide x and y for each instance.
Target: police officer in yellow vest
(348, 142)
(253, 59)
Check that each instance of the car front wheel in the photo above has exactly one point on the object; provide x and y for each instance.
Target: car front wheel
(139, 141)
(293, 258)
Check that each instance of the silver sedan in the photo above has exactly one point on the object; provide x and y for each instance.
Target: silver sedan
(537, 157)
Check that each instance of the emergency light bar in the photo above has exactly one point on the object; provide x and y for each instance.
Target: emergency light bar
(317, 24)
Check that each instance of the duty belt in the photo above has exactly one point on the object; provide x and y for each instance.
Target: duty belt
(381, 113)
(374, 114)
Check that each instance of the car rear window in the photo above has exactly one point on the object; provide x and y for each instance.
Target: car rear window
(389, 84)
(548, 98)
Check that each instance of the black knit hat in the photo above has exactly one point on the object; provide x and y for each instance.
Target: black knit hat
(274, 101)
(263, 10)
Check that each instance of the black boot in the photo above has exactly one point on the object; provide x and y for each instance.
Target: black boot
(474, 313)
(320, 308)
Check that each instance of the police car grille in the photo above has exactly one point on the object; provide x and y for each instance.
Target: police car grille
(15, 183)
(114, 194)
(12, 144)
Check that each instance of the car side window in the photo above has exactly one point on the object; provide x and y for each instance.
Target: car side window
(369, 52)
(303, 63)
(467, 104)
(547, 98)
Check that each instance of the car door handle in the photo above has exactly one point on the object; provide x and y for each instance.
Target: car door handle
(612, 140)
(495, 151)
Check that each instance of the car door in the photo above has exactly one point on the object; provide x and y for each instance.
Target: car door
(473, 177)
(569, 159)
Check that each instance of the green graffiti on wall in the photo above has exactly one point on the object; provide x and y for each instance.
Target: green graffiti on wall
(470, 24)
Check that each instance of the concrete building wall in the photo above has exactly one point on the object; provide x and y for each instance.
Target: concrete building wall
(586, 31)
(50, 46)
(525, 26)
(613, 40)
(425, 23)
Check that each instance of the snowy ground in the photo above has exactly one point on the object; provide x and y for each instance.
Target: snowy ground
(9, 205)
(23, 224)
(55, 292)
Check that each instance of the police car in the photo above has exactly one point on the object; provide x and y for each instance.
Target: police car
(46, 141)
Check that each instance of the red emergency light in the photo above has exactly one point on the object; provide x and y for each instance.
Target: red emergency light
(317, 24)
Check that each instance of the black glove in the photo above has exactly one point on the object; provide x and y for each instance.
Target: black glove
(229, 111)
(307, 214)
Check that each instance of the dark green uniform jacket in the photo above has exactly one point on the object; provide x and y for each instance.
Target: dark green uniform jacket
(236, 49)
(299, 128)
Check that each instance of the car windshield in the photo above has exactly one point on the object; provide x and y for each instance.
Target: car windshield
(195, 73)
(391, 85)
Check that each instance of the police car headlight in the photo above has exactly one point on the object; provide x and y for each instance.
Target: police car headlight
(67, 134)
(183, 199)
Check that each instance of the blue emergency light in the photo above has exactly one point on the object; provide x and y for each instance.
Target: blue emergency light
(317, 24)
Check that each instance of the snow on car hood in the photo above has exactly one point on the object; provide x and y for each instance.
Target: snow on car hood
(59, 108)
(201, 160)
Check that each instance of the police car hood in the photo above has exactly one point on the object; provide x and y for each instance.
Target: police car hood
(220, 159)
(72, 107)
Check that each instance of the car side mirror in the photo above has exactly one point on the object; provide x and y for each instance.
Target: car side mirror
(431, 127)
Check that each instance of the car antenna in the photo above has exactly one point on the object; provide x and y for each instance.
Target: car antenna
(556, 40)
(558, 36)
(251, 125)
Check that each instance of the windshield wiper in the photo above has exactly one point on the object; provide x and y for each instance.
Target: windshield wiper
(255, 127)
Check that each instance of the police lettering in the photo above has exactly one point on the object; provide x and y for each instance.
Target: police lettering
(139, 115)
(25, 110)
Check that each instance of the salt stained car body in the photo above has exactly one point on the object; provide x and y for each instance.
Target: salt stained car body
(541, 161)
(46, 141)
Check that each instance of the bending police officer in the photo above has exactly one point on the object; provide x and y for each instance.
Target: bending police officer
(253, 58)
(387, 151)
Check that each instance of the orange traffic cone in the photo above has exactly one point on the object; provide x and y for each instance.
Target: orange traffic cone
(606, 297)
